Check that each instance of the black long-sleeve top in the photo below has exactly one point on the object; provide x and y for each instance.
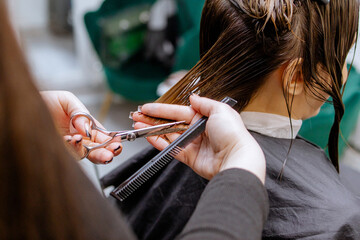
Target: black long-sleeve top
(309, 201)
(234, 205)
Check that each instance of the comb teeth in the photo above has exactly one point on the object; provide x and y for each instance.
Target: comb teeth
(125, 190)
(175, 151)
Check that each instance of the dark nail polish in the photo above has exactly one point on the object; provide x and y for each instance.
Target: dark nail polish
(88, 133)
(117, 148)
(87, 130)
(78, 141)
(107, 162)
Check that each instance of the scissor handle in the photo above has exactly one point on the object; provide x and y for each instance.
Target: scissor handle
(93, 126)
(122, 135)
(88, 149)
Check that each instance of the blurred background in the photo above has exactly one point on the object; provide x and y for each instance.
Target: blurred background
(115, 55)
(96, 49)
(61, 56)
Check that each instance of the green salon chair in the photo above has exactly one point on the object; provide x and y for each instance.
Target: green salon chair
(187, 53)
(317, 129)
(136, 79)
(132, 77)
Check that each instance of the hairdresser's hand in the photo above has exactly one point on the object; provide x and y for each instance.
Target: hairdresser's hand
(225, 144)
(62, 105)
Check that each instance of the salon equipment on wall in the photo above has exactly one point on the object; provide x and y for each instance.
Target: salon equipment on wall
(143, 30)
(59, 12)
(162, 33)
(123, 34)
(137, 73)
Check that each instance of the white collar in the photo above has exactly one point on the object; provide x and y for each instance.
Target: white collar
(271, 124)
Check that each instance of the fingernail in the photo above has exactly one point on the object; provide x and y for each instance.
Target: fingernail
(107, 162)
(78, 141)
(139, 108)
(87, 130)
(117, 148)
(68, 140)
(133, 124)
(88, 134)
(131, 115)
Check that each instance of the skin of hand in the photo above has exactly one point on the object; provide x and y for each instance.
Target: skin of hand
(225, 144)
(62, 105)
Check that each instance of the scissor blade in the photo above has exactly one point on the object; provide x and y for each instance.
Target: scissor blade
(160, 129)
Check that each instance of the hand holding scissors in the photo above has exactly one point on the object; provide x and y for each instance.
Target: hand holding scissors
(121, 136)
(62, 106)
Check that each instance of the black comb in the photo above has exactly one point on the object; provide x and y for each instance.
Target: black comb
(131, 184)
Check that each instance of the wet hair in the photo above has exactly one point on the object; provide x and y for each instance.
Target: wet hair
(44, 193)
(243, 41)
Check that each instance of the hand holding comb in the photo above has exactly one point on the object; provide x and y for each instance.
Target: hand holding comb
(134, 182)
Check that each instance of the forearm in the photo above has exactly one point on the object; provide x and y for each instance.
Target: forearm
(234, 205)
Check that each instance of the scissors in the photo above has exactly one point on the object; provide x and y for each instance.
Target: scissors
(129, 135)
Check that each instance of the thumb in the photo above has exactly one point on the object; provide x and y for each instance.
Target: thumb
(81, 125)
(72, 105)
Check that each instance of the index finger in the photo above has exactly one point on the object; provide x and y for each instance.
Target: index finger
(169, 111)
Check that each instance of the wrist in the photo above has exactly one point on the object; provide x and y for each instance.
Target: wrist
(250, 158)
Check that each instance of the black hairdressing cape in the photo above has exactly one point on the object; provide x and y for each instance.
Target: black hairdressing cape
(310, 201)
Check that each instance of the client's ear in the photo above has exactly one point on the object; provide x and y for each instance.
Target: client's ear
(293, 82)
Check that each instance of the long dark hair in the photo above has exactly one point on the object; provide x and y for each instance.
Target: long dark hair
(243, 41)
(44, 193)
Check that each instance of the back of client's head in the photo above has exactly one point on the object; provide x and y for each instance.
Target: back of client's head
(243, 41)
(44, 193)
